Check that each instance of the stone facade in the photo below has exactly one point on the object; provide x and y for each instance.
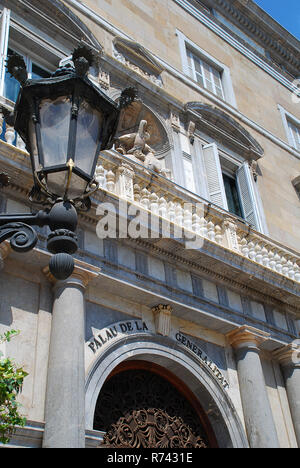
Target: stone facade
(209, 296)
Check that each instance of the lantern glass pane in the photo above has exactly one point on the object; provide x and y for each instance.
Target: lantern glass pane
(55, 119)
(87, 139)
(58, 181)
(33, 145)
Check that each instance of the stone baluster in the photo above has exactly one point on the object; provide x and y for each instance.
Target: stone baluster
(258, 254)
(285, 269)
(10, 135)
(20, 143)
(272, 262)
(244, 247)
(297, 273)
(171, 212)
(257, 411)
(163, 207)
(188, 218)
(110, 181)
(219, 234)
(265, 256)
(211, 235)
(145, 200)
(154, 206)
(137, 193)
(202, 226)
(291, 267)
(278, 264)
(1, 122)
(251, 253)
(178, 214)
(100, 176)
(196, 223)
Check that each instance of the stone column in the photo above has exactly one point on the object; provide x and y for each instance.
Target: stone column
(176, 150)
(65, 394)
(289, 359)
(257, 411)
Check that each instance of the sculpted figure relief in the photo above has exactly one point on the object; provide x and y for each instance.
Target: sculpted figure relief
(135, 146)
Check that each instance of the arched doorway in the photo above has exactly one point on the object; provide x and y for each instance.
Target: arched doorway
(142, 405)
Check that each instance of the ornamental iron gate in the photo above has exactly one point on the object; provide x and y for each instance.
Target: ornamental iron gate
(141, 409)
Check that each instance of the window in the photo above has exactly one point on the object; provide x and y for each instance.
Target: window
(292, 127)
(227, 182)
(294, 134)
(40, 54)
(12, 86)
(205, 74)
(232, 195)
(210, 74)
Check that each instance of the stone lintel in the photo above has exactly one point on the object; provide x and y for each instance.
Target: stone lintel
(162, 317)
(288, 355)
(247, 336)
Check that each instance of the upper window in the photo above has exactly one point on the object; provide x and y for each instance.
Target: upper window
(294, 134)
(292, 127)
(206, 70)
(40, 54)
(207, 75)
(12, 86)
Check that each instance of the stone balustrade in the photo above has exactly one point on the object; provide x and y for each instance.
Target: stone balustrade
(161, 197)
(8, 134)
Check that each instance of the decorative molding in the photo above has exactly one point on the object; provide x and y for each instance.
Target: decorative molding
(224, 128)
(162, 318)
(83, 274)
(137, 58)
(235, 43)
(288, 355)
(247, 336)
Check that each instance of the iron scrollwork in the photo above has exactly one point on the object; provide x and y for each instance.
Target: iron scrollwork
(23, 238)
(140, 409)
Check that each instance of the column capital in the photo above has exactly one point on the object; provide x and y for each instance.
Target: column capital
(247, 336)
(5, 250)
(83, 273)
(288, 355)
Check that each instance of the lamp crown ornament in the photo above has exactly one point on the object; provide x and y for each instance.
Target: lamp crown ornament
(15, 65)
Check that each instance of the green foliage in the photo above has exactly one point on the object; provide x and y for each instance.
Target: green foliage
(11, 382)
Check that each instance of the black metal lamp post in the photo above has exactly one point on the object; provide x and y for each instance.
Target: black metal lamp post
(65, 121)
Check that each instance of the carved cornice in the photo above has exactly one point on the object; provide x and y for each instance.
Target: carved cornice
(224, 128)
(288, 355)
(259, 26)
(247, 336)
(83, 274)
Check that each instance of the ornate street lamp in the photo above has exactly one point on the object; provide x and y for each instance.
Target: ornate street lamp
(65, 121)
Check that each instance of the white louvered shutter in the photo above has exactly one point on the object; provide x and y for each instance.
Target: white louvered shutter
(4, 33)
(214, 176)
(247, 196)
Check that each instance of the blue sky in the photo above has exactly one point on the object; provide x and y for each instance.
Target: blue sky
(287, 13)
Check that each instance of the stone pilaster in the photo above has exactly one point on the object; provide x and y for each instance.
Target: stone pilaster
(162, 319)
(65, 394)
(289, 359)
(257, 411)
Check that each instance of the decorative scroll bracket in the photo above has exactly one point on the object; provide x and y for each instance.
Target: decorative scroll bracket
(23, 238)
